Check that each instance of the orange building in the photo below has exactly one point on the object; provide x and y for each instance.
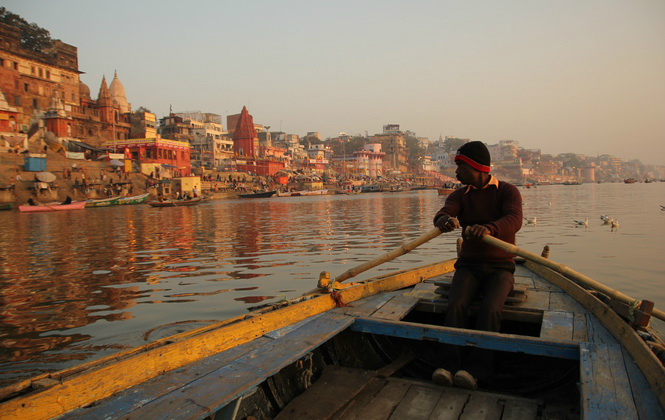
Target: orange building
(161, 157)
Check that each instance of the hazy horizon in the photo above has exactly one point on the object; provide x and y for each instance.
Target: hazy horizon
(565, 76)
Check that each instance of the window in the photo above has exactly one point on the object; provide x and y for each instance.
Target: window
(15, 65)
(25, 87)
(41, 72)
(34, 103)
(32, 69)
(2, 62)
(17, 100)
(48, 74)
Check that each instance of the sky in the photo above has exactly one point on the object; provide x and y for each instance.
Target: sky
(561, 76)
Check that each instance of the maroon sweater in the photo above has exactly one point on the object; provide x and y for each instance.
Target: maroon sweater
(498, 209)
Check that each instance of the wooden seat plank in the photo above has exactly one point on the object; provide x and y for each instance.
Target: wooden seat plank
(213, 391)
(605, 388)
(557, 325)
(418, 403)
(537, 299)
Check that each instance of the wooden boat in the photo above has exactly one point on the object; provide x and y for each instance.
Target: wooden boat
(76, 205)
(445, 191)
(630, 180)
(135, 199)
(176, 203)
(6, 206)
(368, 349)
(301, 193)
(263, 194)
(105, 202)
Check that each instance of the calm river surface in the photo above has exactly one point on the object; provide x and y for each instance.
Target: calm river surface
(80, 285)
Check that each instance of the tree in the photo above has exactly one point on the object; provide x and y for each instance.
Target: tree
(33, 37)
(413, 147)
(142, 109)
(451, 144)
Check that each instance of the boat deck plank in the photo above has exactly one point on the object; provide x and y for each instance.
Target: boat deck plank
(397, 307)
(400, 398)
(329, 394)
(557, 325)
(133, 398)
(369, 305)
(198, 394)
(418, 403)
(646, 402)
(605, 388)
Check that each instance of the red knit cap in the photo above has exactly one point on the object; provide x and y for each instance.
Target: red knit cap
(475, 154)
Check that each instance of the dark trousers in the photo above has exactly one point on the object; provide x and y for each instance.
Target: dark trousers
(493, 281)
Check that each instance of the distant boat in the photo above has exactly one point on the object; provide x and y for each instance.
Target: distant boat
(6, 206)
(175, 203)
(301, 193)
(630, 180)
(371, 188)
(76, 205)
(263, 194)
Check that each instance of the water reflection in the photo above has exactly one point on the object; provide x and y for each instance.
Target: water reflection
(68, 278)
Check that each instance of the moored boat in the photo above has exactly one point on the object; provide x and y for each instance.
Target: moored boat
(6, 206)
(263, 194)
(630, 180)
(176, 203)
(301, 193)
(76, 205)
(135, 199)
(368, 350)
(105, 202)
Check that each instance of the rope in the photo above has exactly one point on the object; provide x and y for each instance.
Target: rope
(631, 309)
(337, 297)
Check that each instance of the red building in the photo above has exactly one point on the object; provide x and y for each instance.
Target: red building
(246, 149)
(161, 157)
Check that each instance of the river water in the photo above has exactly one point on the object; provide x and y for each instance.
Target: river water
(75, 286)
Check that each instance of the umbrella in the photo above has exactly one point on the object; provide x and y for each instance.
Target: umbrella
(46, 177)
(116, 162)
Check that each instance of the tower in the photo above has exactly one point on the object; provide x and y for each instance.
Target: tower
(245, 140)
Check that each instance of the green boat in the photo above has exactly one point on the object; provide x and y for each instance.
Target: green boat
(102, 203)
(6, 206)
(135, 199)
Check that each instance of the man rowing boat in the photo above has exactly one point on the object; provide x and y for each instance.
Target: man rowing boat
(486, 206)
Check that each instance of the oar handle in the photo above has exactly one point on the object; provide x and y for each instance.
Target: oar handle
(401, 250)
(560, 268)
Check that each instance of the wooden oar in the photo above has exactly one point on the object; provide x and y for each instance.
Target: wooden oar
(324, 280)
(560, 268)
(401, 250)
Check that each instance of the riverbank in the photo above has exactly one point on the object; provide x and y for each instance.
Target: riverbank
(101, 179)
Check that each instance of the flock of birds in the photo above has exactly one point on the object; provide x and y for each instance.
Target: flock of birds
(606, 220)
